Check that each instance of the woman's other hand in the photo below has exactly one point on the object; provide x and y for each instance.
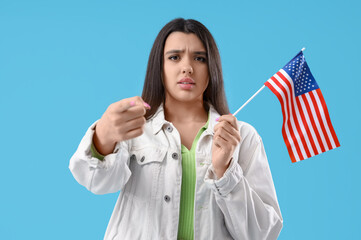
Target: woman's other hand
(121, 121)
(225, 140)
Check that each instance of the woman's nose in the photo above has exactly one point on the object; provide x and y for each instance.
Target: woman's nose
(187, 69)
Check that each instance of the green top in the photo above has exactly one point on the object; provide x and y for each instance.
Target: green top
(95, 153)
(186, 212)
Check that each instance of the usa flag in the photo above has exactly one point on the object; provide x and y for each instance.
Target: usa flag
(307, 129)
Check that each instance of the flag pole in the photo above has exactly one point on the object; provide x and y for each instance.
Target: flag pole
(259, 90)
(239, 109)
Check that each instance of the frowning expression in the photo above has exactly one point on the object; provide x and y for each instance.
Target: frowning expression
(185, 69)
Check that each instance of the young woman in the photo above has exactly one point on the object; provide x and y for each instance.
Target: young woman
(184, 166)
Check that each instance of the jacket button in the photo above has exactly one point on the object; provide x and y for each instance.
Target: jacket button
(133, 157)
(175, 156)
(169, 129)
(142, 159)
(166, 198)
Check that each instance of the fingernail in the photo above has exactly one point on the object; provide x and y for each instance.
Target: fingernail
(217, 119)
(146, 105)
(132, 103)
(230, 114)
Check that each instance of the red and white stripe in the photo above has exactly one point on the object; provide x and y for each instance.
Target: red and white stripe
(307, 129)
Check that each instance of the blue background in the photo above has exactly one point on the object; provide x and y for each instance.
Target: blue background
(63, 62)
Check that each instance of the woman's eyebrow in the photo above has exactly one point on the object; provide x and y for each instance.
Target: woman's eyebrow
(182, 51)
(201, 53)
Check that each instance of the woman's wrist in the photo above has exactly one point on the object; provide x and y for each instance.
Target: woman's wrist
(104, 148)
(220, 170)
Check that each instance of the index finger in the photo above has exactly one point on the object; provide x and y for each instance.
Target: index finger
(125, 104)
(230, 119)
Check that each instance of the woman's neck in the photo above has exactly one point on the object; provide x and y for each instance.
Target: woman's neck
(175, 111)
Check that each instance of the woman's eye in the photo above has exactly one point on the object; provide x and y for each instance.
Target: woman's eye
(201, 59)
(174, 58)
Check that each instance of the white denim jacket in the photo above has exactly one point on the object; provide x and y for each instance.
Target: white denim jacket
(147, 171)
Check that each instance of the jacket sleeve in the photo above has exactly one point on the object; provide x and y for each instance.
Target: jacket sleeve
(100, 176)
(247, 196)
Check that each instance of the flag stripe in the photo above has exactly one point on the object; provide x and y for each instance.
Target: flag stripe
(319, 122)
(318, 129)
(289, 120)
(311, 147)
(305, 143)
(331, 144)
(288, 144)
(328, 119)
(310, 124)
(291, 112)
(310, 136)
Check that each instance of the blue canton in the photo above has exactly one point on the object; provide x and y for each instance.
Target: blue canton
(301, 75)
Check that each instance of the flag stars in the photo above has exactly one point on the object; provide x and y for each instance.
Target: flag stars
(302, 81)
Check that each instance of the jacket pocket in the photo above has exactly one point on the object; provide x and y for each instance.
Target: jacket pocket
(145, 165)
(147, 155)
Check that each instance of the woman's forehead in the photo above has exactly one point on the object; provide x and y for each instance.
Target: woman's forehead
(183, 42)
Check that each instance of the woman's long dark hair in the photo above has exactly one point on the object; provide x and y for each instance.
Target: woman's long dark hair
(153, 89)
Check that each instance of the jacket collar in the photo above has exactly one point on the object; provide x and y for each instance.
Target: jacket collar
(158, 120)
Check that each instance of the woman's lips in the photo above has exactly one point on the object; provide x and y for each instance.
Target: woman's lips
(186, 83)
(186, 86)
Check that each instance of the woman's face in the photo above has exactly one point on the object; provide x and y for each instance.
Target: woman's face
(185, 69)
